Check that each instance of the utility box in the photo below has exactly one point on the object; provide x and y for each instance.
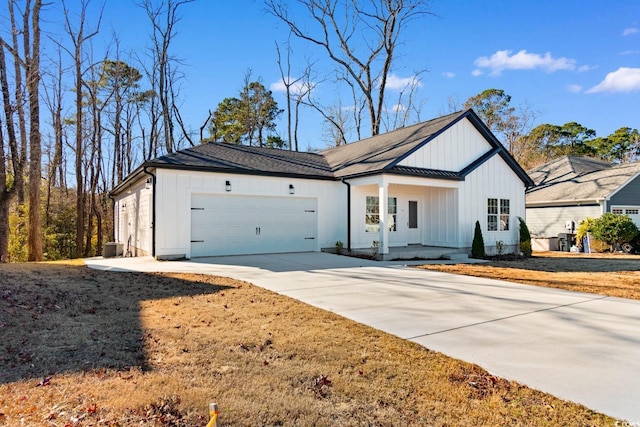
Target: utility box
(112, 249)
(566, 241)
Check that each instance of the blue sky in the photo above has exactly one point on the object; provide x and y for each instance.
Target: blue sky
(569, 60)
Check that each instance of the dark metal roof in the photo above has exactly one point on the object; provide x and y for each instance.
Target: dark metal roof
(427, 173)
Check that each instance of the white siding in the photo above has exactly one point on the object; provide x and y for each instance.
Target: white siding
(441, 217)
(437, 211)
(133, 219)
(175, 189)
(493, 179)
(550, 221)
(452, 150)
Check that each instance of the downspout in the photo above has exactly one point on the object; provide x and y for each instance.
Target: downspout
(348, 214)
(153, 213)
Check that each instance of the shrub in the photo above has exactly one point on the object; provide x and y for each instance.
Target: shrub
(525, 238)
(477, 247)
(614, 229)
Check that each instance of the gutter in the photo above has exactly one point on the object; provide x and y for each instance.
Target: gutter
(153, 213)
(348, 213)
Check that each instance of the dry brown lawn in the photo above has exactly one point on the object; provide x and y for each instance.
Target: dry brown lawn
(87, 348)
(609, 274)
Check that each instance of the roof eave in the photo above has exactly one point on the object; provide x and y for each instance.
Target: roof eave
(241, 171)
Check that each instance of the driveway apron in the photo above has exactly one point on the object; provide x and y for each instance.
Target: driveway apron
(579, 347)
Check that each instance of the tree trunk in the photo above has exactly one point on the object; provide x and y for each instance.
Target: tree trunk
(35, 156)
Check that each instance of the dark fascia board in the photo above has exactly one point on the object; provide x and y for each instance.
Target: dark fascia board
(498, 148)
(508, 158)
(130, 180)
(239, 171)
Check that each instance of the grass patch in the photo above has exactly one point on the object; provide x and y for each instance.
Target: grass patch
(88, 348)
(610, 274)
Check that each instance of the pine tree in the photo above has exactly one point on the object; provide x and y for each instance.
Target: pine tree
(525, 238)
(477, 247)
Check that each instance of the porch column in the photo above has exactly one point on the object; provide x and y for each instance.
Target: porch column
(383, 197)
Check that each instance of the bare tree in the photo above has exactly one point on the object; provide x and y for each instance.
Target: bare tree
(288, 82)
(78, 39)
(404, 110)
(19, 90)
(164, 18)
(343, 27)
(54, 100)
(32, 73)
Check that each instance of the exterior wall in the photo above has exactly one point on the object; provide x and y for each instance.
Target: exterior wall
(173, 204)
(550, 221)
(132, 219)
(629, 195)
(493, 179)
(452, 150)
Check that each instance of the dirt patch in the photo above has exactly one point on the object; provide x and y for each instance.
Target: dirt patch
(88, 348)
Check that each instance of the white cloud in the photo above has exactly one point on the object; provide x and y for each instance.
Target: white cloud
(630, 31)
(584, 68)
(398, 108)
(574, 88)
(449, 74)
(477, 73)
(395, 82)
(630, 52)
(624, 79)
(523, 60)
(295, 88)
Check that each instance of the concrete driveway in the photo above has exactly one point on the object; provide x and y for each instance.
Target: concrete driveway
(579, 347)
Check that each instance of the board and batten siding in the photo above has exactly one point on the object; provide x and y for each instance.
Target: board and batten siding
(175, 189)
(133, 219)
(453, 150)
(550, 221)
(493, 179)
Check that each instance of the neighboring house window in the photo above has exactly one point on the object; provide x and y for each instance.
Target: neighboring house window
(616, 211)
(632, 211)
(372, 215)
(498, 211)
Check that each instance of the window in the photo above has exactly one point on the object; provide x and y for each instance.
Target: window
(632, 212)
(372, 214)
(616, 211)
(498, 211)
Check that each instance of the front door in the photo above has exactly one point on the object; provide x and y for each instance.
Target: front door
(413, 227)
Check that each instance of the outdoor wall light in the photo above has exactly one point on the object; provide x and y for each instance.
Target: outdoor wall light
(147, 184)
(291, 189)
(227, 186)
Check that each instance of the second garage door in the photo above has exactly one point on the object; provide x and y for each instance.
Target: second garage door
(236, 225)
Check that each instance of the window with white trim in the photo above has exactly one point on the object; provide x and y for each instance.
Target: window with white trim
(498, 211)
(372, 214)
(617, 211)
(632, 211)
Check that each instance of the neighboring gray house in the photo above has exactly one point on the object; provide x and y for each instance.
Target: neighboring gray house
(574, 188)
(421, 186)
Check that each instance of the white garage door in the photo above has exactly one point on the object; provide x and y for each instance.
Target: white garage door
(632, 211)
(236, 225)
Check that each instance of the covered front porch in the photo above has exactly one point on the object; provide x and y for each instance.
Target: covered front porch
(405, 217)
